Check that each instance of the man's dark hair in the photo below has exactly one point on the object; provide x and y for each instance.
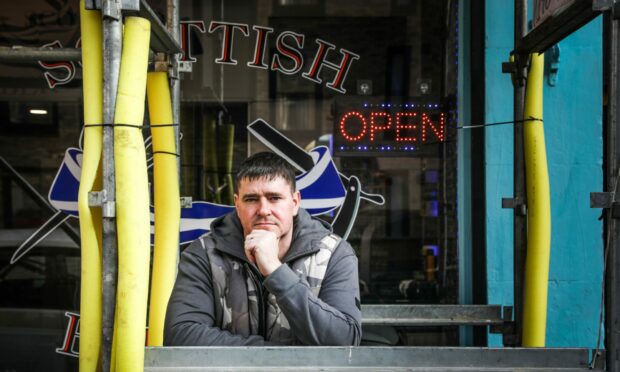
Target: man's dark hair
(265, 165)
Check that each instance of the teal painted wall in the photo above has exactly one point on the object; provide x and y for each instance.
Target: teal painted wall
(573, 130)
(498, 154)
(464, 168)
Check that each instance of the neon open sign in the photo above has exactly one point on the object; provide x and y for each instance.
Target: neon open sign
(389, 129)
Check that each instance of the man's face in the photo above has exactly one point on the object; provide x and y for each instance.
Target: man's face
(264, 204)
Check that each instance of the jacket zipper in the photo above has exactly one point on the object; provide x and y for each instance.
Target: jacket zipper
(257, 278)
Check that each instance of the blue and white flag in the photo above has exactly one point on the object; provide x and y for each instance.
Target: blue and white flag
(321, 188)
(320, 185)
(63, 193)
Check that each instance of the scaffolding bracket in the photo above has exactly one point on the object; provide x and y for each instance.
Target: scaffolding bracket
(124, 4)
(605, 200)
(185, 66)
(507, 328)
(601, 199)
(100, 199)
(509, 67)
(112, 9)
(515, 203)
(517, 68)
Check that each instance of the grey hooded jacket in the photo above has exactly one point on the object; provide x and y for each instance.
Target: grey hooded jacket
(194, 314)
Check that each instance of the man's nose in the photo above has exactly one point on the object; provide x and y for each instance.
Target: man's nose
(264, 209)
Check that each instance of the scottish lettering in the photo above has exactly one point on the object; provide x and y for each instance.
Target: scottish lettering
(288, 58)
(57, 73)
(289, 46)
(186, 40)
(70, 345)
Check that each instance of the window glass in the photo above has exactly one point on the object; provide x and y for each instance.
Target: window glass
(374, 82)
(47, 277)
(388, 119)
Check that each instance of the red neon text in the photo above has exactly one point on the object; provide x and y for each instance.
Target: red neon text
(400, 126)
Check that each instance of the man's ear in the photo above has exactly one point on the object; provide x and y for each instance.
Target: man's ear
(296, 202)
(235, 199)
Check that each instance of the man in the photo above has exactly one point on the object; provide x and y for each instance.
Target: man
(267, 274)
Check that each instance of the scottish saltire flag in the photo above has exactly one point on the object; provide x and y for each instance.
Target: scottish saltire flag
(321, 192)
(63, 193)
(321, 188)
(196, 220)
(319, 183)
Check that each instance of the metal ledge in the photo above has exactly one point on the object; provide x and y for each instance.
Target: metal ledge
(557, 27)
(161, 40)
(432, 315)
(308, 358)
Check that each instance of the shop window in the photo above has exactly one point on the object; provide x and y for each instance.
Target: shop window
(399, 138)
(298, 7)
(28, 118)
(45, 278)
(391, 124)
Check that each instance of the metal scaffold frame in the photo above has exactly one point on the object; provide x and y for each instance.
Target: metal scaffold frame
(612, 225)
(162, 41)
(165, 40)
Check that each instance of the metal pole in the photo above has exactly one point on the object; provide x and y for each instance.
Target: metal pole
(112, 46)
(520, 217)
(612, 277)
(21, 54)
(172, 23)
(25, 54)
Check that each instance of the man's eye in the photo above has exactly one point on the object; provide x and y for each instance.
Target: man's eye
(275, 198)
(250, 200)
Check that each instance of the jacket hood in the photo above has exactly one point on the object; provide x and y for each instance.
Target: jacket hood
(307, 234)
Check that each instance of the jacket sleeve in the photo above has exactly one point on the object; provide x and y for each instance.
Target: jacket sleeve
(190, 317)
(332, 318)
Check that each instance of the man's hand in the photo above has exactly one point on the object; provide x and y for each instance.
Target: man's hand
(261, 248)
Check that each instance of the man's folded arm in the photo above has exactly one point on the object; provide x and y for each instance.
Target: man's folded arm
(334, 317)
(190, 317)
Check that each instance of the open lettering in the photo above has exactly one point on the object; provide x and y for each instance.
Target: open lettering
(405, 127)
